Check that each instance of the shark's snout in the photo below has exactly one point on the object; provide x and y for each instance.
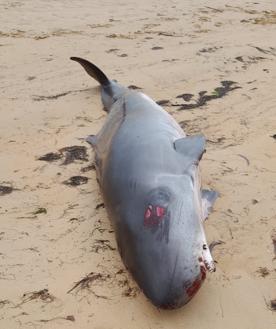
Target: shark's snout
(183, 290)
(207, 259)
(211, 267)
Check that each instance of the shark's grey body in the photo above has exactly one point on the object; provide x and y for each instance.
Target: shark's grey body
(148, 173)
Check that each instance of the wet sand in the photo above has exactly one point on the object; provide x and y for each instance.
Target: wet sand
(59, 265)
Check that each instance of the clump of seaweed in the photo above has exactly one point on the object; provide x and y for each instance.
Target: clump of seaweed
(102, 245)
(88, 281)
(72, 153)
(134, 87)
(269, 17)
(263, 271)
(4, 302)
(69, 153)
(50, 157)
(163, 102)
(99, 205)
(76, 181)
(42, 295)
(39, 98)
(6, 188)
(88, 168)
(40, 210)
(157, 48)
(129, 290)
(68, 318)
(204, 98)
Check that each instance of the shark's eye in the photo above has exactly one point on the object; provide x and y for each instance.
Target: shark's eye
(148, 212)
(153, 215)
(204, 246)
(160, 211)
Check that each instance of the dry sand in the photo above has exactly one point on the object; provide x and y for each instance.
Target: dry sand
(53, 235)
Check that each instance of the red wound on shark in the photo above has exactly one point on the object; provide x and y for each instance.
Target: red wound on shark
(194, 287)
(153, 215)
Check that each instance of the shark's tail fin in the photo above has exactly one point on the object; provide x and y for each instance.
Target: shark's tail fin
(92, 70)
(111, 90)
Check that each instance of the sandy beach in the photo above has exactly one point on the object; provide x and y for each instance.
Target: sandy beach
(212, 64)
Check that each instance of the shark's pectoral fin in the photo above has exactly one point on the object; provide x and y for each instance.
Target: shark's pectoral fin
(208, 199)
(92, 140)
(191, 147)
(215, 243)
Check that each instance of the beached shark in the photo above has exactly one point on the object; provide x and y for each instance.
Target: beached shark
(148, 174)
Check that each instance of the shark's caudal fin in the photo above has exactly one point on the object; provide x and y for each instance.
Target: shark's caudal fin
(92, 70)
(111, 90)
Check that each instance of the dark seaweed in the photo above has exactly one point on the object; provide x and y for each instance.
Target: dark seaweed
(72, 153)
(70, 318)
(5, 189)
(101, 245)
(43, 98)
(265, 51)
(163, 102)
(76, 181)
(43, 295)
(157, 48)
(40, 211)
(263, 271)
(186, 97)
(88, 280)
(99, 205)
(209, 50)
(133, 87)
(88, 168)
(39, 98)
(203, 98)
(50, 157)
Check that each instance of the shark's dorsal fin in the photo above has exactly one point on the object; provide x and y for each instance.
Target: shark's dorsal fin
(191, 147)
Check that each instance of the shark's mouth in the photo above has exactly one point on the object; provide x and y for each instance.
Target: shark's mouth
(206, 264)
(194, 287)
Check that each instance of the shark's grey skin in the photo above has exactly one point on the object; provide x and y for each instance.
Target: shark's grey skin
(148, 174)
